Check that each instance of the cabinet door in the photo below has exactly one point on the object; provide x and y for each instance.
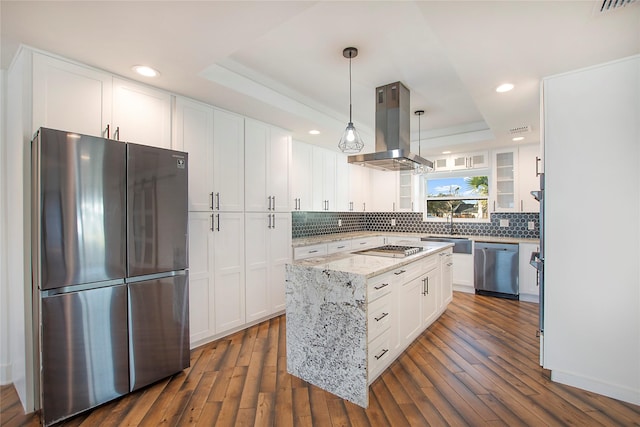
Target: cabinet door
(69, 97)
(430, 297)
(342, 184)
(257, 264)
(301, 176)
(504, 178)
(256, 142)
(385, 186)
(228, 161)
(194, 134)
(279, 159)
(324, 179)
(229, 270)
(359, 193)
(463, 270)
(478, 160)
(528, 279)
(141, 114)
(279, 255)
(528, 181)
(446, 278)
(441, 164)
(410, 311)
(201, 276)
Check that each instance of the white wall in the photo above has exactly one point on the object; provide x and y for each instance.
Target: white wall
(592, 228)
(5, 359)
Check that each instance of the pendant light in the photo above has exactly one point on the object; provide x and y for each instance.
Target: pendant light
(350, 141)
(419, 170)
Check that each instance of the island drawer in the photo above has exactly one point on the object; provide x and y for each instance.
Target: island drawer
(379, 314)
(366, 242)
(378, 286)
(430, 262)
(379, 355)
(310, 251)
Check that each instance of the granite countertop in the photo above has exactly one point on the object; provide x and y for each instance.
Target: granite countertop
(368, 265)
(326, 238)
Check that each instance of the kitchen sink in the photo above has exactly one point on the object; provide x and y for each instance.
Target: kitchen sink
(461, 245)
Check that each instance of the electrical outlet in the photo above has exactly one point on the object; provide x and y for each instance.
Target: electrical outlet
(339, 223)
(531, 225)
(504, 223)
(393, 222)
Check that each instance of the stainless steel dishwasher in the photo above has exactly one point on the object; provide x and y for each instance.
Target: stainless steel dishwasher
(496, 269)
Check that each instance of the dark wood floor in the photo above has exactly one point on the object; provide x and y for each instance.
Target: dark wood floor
(477, 365)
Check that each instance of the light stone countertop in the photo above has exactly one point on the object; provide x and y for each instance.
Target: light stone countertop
(368, 265)
(336, 237)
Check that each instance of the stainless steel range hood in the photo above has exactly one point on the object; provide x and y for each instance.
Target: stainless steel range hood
(392, 133)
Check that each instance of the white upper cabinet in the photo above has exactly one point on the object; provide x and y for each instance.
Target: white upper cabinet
(528, 179)
(194, 134)
(476, 160)
(69, 97)
(343, 179)
(359, 192)
(504, 181)
(267, 160)
(228, 161)
(386, 187)
(324, 179)
(141, 114)
(80, 99)
(301, 177)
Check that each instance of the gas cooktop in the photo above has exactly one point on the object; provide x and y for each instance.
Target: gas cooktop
(392, 251)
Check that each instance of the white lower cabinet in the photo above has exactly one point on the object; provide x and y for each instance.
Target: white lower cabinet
(463, 272)
(216, 274)
(446, 277)
(529, 290)
(268, 249)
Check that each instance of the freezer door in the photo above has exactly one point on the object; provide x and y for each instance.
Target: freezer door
(159, 329)
(79, 223)
(84, 350)
(157, 194)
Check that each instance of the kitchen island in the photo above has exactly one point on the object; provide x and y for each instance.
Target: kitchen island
(349, 315)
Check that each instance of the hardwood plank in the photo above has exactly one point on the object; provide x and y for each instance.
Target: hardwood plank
(476, 365)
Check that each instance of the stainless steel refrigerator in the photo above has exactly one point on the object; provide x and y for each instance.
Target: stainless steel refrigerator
(110, 268)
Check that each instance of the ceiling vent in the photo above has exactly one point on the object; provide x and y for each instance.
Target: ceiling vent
(609, 5)
(520, 130)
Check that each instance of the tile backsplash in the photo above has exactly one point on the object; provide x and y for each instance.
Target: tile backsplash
(305, 224)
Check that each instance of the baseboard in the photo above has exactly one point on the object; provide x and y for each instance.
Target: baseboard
(610, 390)
(530, 298)
(464, 288)
(5, 374)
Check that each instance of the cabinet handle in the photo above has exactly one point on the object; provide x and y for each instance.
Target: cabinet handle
(427, 285)
(269, 216)
(116, 134)
(269, 203)
(394, 206)
(449, 264)
(211, 224)
(218, 227)
(341, 247)
(397, 273)
(211, 200)
(313, 251)
(538, 160)
(364, 207)
(381, 317)
(494, 205)
(424, 291)
(107, 131)
(384, 285)
(382, 353)
(521, 205)
(218, 201)
(274, 221)
(274, 202)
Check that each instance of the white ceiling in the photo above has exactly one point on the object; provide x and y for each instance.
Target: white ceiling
(281, 62)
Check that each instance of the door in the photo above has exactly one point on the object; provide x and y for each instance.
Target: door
(159, 329)
(157, 218)
(228, 161)
(80, 186)
(84, 350)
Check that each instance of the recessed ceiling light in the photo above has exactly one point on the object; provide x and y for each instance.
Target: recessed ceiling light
(314, 132)
(518, 138)
(446, 152)
(505, 87)
(146, 71)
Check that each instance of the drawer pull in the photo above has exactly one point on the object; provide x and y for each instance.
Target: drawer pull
(341, 247)
(382, 353)
(377, 288)
(313, 251)
(397, 273)
(381, 317)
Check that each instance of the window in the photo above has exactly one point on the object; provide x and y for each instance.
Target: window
(461, 196)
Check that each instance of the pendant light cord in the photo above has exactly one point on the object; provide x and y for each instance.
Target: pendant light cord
(350, 119)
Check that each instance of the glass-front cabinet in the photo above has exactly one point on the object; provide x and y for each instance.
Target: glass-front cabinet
(504, 194)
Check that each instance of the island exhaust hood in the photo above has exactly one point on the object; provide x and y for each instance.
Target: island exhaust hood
(392, 133)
